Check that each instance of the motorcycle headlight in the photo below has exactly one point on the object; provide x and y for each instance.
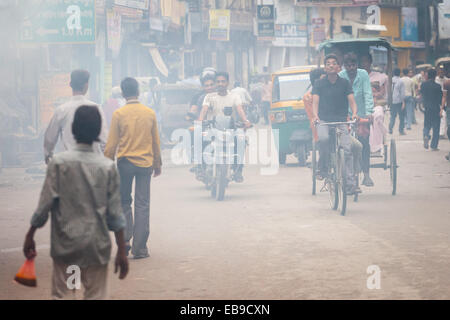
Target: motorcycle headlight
(278, 117)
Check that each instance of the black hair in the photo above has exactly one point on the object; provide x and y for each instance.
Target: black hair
(350, 57)
(78, 79)
(397, 72)
(86, 124)
(130, 87)
(223, 74)
(369, 56)
(209, 76)
(431, 74)
(315, 75)
(237, 84)
(405, 71)
(331, 56)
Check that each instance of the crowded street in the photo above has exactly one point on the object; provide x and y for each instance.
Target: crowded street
(270, 238)
(201, 152)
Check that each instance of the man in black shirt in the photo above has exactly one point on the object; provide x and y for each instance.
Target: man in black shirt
(331, 99)
(432, 98)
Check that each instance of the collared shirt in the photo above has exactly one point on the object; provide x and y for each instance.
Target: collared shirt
(441, 81)
(398, 90)
(134, 135)
(60, 126)
(333, 99)
(81, 190)
(362, 91)
(409, 86)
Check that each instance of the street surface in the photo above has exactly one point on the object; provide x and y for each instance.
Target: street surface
(270, 238)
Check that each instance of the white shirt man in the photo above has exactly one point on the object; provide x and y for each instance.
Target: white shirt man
(60, 126)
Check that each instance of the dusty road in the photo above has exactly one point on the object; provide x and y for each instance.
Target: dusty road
(270, 238)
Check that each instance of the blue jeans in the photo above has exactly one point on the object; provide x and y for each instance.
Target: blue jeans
(140, 230)
(409, 102)
(432, 121)
(396, 109)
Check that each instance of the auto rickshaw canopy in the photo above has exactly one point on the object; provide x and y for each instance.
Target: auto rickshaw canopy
(347, 45)
(443, 60)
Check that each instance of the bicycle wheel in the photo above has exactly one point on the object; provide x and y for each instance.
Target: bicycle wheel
(393, 167)
(356, 195)
(332, 184)
(221, 181)
(341, 181)
(314, 168)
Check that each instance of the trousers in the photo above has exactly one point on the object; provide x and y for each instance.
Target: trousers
(139, 231)
(432, 121)
(396, 109)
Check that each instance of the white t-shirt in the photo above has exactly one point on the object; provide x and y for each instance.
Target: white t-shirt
(216, 103)
(409, 86)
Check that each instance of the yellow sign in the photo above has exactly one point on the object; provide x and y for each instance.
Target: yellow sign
(219, 25)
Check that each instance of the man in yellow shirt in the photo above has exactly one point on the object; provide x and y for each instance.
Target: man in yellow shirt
(134, 136)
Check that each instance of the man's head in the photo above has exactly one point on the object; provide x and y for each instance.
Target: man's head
(365, 62)
(351, 64)
(397, 72)
(130, 88)
(79, 81)
(315, 75)
(431, 74)
(410, 73)
(405, 72)
(86, 124)
(222, 81)
(332, 66)
(208, 83)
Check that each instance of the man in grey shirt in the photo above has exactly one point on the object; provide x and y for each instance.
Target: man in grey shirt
(81, 190)
(398, 102)
(60, 125)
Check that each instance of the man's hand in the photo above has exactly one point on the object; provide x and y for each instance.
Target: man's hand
(315, 119)
(122, 264)
(441, 113)
(29, 247)
(355, 117)
(48, 158)
(156, 172)
(247, 124)
(403, 106)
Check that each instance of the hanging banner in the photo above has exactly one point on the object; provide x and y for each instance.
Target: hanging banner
(266, 22)
(114, 25)
(54, 90)
(409, 24)
(219, 25)
(444, 19)
(135, 4)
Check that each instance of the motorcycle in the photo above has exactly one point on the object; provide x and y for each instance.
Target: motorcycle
(221, 155)
(252, 112)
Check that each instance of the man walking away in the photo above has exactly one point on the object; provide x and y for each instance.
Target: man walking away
(60, 125)
(81, 190)
(409, 97)
(446, 103)
(134, 135)
(432, 99)
(398, 102)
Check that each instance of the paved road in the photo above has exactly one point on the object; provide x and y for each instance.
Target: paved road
(270, 238)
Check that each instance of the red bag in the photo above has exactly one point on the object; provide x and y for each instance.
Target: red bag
(26, 274)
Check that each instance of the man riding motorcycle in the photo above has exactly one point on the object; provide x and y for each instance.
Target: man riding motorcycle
(213, 105)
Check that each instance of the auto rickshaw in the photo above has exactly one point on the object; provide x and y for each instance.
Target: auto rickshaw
(287, 112)
(445, 62)
(173, 103)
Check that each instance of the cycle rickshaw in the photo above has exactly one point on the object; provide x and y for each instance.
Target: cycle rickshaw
(335, 184)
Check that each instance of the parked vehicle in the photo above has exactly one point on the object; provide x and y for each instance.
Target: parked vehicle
(288, 115)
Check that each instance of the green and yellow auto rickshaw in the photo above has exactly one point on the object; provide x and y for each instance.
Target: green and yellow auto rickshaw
(287, 112)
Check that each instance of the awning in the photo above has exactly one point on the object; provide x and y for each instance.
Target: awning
(159, 62)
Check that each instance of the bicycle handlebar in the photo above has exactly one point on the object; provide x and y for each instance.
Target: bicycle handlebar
(336, 123)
